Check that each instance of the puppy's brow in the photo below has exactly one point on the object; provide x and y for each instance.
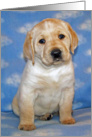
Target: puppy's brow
(42, 35)
(48, 25)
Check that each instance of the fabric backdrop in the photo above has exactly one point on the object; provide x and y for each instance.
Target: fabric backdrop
(14, 26)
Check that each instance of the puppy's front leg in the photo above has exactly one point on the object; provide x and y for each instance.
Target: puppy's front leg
(65, 105)
(26, 101)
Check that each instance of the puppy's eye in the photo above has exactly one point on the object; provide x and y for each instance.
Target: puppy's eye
(42, 41)
(61, 36)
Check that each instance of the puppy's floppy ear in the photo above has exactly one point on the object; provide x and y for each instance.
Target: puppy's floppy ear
(74, 38)
(28, 48)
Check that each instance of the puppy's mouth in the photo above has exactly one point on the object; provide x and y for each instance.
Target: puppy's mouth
(54, 57)
(57, 61)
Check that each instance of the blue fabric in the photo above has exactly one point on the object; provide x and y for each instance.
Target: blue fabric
(82, 127)
(14, 26)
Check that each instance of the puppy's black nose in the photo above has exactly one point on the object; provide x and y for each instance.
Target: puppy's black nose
(56, 53)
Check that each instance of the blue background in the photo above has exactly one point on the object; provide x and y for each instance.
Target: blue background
(14, 26)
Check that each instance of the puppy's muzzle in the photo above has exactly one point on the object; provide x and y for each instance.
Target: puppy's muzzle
(56, 54)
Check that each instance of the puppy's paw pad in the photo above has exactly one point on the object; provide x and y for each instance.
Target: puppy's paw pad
(50, 117)
(68, 121)
(27, 127)
(46, 117)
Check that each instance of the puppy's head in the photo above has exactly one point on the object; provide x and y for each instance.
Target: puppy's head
(50, 40)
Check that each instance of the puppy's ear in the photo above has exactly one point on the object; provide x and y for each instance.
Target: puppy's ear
(74, 38)
(28, 48)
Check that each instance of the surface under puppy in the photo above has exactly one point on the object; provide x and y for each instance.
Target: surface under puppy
(47, 84)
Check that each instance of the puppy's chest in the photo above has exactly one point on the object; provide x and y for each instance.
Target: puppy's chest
(48, 86)
(53, 80)
(50, 82)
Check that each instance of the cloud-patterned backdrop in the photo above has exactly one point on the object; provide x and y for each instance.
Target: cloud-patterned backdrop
(14, 26)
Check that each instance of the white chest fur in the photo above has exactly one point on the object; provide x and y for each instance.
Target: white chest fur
(48, 84)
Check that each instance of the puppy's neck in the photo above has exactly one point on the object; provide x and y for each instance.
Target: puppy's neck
(39, 63)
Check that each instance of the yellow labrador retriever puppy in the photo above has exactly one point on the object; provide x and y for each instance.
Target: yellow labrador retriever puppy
(47, 83)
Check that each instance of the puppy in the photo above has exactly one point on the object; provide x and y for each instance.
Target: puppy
(47, 83)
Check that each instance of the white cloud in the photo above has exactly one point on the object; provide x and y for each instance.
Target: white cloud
(86, 25)
(5, 41)
(13, 80)
(88, 70)
(24, 29)
(76, 105)
(82, 39)
(21, 55)
(75, 65)
(4, 64)
(78, 84)
(2, 20)
(68, 14)
(88, 52)
(9, 107)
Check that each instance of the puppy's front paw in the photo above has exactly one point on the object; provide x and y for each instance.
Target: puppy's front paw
(27, 127)
(70, 120)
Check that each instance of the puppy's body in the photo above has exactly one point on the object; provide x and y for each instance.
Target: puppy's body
(48, 85)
